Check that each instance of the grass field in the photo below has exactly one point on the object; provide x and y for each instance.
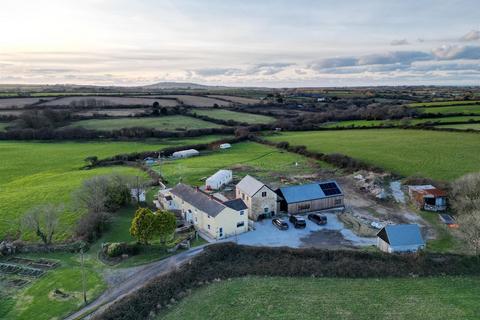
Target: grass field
(170, 123)
(463, 126)
(467, 109)
(3, 125)
(443, 103)
(438, 155)
(32, 173)
(246, 157)
(371, 123)
(223, 114)
(327, 298)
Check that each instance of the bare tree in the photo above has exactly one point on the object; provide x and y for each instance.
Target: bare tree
(470, 227)
(43, 220)
(465, 194)
(92, 195)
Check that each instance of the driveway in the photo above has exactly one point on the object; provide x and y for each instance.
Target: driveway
(332, 235)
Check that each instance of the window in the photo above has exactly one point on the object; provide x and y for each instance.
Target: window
(304, 206)
(240, 224)
(264, 194)
(243, 196)
(208, 227)
(265, 210)
(242, 213)
(338, 202)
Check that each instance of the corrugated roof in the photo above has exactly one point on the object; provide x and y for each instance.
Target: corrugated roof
(250, 185)
(198, 199)
(306, 192)
(402, 235)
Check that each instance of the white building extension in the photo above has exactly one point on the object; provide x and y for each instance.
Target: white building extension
(185, 154)
(219, 179)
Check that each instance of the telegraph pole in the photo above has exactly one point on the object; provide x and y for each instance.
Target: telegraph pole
(84, 287)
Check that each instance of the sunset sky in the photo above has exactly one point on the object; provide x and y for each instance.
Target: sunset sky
(248, 43)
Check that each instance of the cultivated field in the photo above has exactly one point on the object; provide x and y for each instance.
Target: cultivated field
(18, 102)
(234, 99)
(463, 126)
(223, 114)
(434, 154)
(246, 157)
(33, 173)
(467, 109)
(198, 101)
(110, 101)
(170, 123)
(371, 123)
(326, 298)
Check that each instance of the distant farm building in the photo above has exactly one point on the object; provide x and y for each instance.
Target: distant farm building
(138, 195)
(225, 146)
(219, 179)
(310, 197)
(185, 154)
(400, 238)
(259, 198)
(428, 198)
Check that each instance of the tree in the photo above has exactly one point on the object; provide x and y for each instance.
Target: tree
(43, 220)
(143, 225)
(156, 107)
(166, 224)
(465, 194)
(92, 160)
(470, 227)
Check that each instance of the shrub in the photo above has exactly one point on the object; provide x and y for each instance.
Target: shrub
(116, 249)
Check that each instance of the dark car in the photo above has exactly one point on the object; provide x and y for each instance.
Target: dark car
(318, 218)
(280, 224)
(298, 222)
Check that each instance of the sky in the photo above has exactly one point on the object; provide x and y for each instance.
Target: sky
(273, 43)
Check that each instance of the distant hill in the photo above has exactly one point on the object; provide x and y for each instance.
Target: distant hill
(180, 85)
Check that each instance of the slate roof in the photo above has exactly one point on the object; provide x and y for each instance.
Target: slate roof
(401, 235)
(306, 192)
(236, 204)
(198, 199)
(250, 185)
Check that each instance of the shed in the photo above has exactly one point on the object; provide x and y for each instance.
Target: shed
(225, 146)
(400, 238)
(138, 195)
(219, 179)
(428, 197)
(310, 197)
(185, 154)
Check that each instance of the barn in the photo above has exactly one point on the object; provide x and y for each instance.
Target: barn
(310, 197)
(400, 238)
(219, 179)
(428, 198)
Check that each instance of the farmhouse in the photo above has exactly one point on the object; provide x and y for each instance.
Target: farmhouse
(219, 179)
(259, 198)
(208, 214)
(429, 198)
(310, 197)
(185, 154)
(400, 238)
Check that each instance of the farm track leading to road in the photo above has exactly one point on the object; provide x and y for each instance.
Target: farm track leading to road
(140, 277)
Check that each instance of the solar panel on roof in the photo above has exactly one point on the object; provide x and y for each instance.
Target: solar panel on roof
(330, 188)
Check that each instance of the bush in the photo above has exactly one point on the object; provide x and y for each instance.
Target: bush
(91, 226)
(116, 249)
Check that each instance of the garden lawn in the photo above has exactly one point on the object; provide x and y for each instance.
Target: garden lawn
(33, 173)
(223, 114)
(433, 154)
(467, 109)
(463, 126)
(168, 123)
(372, 123)
(245, 157)
(440, 298)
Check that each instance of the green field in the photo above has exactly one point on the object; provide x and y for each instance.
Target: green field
(463, 126)
(246, 157)
(372, 123)
(223, 114)
(433, 154)
(327, 298)
(32, 173)
(3, 125)
(169, 123)
(443, 103)
(467, 109)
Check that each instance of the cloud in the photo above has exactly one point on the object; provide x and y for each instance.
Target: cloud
(457, 52)
(472, 35)
(261, 69)
(399, 42)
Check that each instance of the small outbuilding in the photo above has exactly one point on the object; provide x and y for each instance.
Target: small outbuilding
(138, 194)
(428, 197)
(310, 197)
(400, 238)
(225, 146)
(185, 154)
(219, 179)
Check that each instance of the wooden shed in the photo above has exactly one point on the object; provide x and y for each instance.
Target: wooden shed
(428, 197)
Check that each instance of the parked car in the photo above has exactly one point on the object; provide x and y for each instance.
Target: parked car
(280, 224)
(298, 222)
(318, 218)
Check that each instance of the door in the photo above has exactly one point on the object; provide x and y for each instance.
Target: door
(220, 232)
